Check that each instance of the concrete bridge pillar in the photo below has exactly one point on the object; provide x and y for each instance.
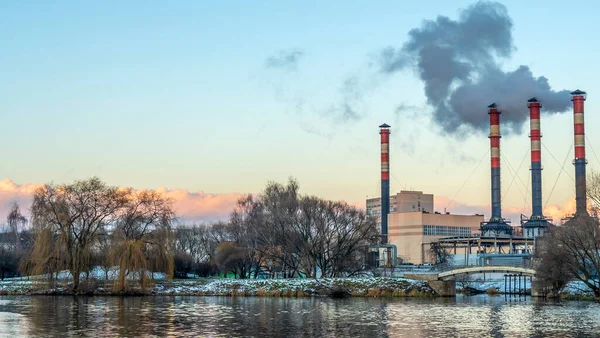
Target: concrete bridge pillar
(444, 288)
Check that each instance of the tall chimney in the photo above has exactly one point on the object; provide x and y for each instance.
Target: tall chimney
(578, 97)
(537, 224)
(536, 157)
(384, 131)
(496, 226)
(495, 156)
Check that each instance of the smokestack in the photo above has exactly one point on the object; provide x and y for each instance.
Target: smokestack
(536, 225)
(496, 226)
(536, 157)
(578, 97)
(495, 156)
(384, 131)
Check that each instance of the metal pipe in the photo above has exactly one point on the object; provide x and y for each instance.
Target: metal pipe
(384, 131)
(578, 97)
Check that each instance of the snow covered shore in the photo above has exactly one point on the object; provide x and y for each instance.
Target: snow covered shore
(358, 287)
(369, 287)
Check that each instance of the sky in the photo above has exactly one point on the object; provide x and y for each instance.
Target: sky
(207, 101)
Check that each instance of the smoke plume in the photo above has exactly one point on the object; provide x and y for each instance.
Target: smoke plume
(285, 59)
(457, 60)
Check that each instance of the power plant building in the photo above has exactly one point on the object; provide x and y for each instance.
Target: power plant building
(413, 232)
(413, 224)
(404, 201)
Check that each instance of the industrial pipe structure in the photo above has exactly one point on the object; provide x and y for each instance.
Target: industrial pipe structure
(578, 97)
(537, 223)
(384, 131)
(496, 226)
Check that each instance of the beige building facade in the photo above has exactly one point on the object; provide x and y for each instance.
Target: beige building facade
(404, 201)
(412, 232)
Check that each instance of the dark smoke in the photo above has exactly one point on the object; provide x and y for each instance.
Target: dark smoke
(285, 59)
(457, 62)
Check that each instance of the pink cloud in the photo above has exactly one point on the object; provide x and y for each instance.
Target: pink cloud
(559, 211)
(554, 212)
(189, 206)
(200, 206)
(11, 192)
(512, 214)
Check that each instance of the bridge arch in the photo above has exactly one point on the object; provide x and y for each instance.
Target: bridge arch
(486, 269)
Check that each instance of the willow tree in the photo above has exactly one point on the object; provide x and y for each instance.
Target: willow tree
(47, 257)
(71, 217)
(143, 238)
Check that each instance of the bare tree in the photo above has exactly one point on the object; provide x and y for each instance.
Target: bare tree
(101, 253)
(16, 220)
(143, 239)
(77, 213)
(244, 227)
(552, 263)
(231, 258)
(573, 252)
(593, 191)
(293, 235)
(279, 205)
(191, 240)
(438, 253)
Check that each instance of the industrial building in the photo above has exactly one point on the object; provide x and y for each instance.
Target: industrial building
(413, 232)
(413, 224)
(404, 201)
(409, 224)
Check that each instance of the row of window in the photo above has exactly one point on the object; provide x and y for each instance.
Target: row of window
(449, 231)
(376, 212)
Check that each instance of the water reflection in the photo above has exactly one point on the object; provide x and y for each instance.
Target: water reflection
(480, 316)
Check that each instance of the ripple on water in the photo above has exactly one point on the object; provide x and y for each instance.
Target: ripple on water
(294, 317)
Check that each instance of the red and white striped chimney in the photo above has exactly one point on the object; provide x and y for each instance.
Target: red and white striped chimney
(578, 97)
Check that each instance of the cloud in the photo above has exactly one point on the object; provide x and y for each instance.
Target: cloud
(285, 59)
(457, 61)
(512, 214)
(189, 206)
(559, 211)
(200, 206)
(555, 212)
(11, 192)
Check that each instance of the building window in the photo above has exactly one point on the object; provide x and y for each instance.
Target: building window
(446, 231)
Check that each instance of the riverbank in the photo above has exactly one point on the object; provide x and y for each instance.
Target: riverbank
(327, 287)
(574, 290)
(330, 287)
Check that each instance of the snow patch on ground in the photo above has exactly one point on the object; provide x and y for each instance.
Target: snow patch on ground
(290, 286)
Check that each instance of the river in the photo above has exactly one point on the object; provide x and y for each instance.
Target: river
(162, 316)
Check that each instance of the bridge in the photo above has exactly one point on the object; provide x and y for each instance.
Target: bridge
(469, 270)
(442, 279)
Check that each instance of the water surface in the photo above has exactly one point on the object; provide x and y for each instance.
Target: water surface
(164, 316)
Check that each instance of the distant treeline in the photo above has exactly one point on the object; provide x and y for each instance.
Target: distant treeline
(87, 224)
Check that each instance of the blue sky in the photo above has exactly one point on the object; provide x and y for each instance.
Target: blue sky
(178, 95)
